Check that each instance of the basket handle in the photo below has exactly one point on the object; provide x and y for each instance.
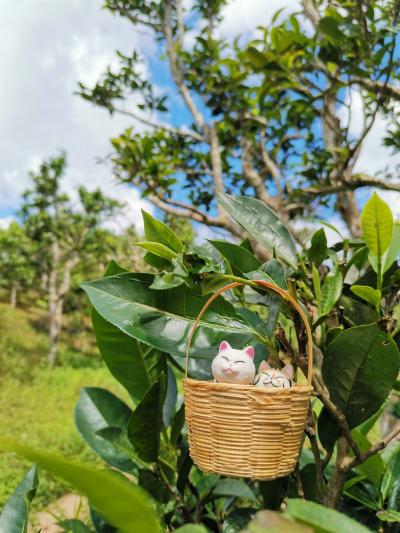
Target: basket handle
(284, 294)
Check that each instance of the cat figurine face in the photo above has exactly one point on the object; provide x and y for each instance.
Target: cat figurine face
(233, 366)
(271, 377)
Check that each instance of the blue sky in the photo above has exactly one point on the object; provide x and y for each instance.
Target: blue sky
(47, 46)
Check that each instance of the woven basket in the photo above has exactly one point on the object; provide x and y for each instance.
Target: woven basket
(243, 430)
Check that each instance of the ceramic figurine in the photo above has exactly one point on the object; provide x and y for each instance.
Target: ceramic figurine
(272, 377)
(233, 366)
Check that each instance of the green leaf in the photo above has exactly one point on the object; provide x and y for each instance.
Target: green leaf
(359, 368)
(170, 397)
(156, 231)
(391, 254)
(237, 256)
(262, 224)
(122, 504)
(238, 519)
(373, 467)
(135, 365)
(317, 286)
(392, 474)
(73, 525)
(15, 513)
(319, 248)
(330, 28)
(98, 409)
(233, 487)
(377, 225)
(322, 518)
(163, 319)
(157, 249)
(146, 422)
(331, 290)
(191, 528)
(370, 295)
(389, 516)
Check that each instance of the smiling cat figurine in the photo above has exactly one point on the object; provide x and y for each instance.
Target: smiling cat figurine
(233, 366)
(271, 377)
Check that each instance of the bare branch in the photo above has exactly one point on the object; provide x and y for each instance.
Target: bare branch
(176, 68)
(310, 12)
(252, 176)
(351, 463)
(355, 182)
(377, 86)
(159, 126)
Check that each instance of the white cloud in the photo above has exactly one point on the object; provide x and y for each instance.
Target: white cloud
(243, 16)
(6, 221)
(43, 55)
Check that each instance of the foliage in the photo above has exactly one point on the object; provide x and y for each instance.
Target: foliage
(266, 116)
(16, 268)
(142, 324)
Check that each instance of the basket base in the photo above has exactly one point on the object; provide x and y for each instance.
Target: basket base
(236, 474)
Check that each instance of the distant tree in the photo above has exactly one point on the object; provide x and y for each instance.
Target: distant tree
(16, 267)
(64, 235)
(265, 116)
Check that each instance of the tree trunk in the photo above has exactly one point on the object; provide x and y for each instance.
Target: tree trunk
(52, 304)
(14, 295)
(57, 295)
(347, 206)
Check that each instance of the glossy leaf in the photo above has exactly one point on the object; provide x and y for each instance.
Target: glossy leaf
(145, 423)
(322, 518)
(262, 224)
(359, 368)
(391, 254)
(392, 474)
(163, 319)
(319, 248)
(377, 225)
(237, 256)
(373, 467)
(170, 397)
(156, 231)
(122, 504)
(238, 519)
(157, 249)
(135, 365)
(233, 487)
(98, 409)
(15, 513)
(368, 294)
(331, 290)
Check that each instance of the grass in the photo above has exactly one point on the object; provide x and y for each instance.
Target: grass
(37, 402)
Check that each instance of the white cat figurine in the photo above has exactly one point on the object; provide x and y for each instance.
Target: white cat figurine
(233, 366)
(271, 377)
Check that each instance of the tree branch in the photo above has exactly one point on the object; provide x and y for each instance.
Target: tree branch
(164, 127)
(355, 182)
(176, 68)
(351, 463)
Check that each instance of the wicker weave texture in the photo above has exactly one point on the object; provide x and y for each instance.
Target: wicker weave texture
(245, 431)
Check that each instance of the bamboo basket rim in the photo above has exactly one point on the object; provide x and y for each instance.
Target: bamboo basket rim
(284, 295)
(258, 390)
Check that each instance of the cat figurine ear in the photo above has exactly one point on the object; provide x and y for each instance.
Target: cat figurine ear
(224, 346)
(264, 366)
(288, 370)
(249, 351)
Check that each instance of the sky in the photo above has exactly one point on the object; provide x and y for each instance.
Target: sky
(47, 47)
